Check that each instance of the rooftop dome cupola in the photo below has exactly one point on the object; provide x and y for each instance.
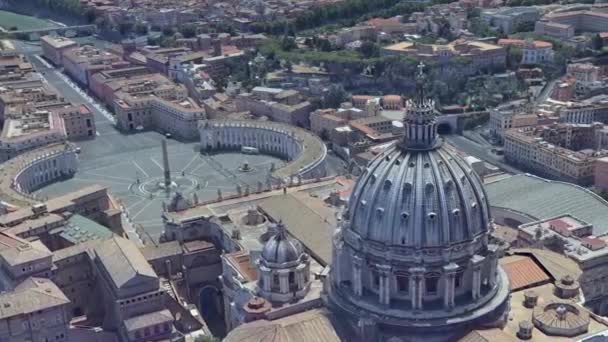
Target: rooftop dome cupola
(281, 249)
(419, 119)
(283, 268)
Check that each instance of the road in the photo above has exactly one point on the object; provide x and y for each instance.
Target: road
(104, 121)
(546, 92)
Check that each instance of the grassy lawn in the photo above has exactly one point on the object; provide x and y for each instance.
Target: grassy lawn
(22, 22)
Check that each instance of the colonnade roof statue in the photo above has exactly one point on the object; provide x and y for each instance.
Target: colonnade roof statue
(411, 252)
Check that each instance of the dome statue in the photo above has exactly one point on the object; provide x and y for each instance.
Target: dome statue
(413, 255)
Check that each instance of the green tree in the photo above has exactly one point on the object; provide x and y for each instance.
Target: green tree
(188, 31)
(168, 31)
(525, 26)
(334, 97)
(369, 49)
(598, 43)
(288, 44)
(514, 56)
(141, 29)
(125, 27)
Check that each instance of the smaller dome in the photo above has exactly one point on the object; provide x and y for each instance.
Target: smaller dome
(281, 249)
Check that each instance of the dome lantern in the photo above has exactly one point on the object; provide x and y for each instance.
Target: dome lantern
(419, 120)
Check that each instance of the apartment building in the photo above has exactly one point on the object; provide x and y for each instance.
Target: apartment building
(287, 106)
(35, 310)
(29, 131)
(323, 121)
(583, 112)
(78, 121)
(561, 151)
(510, 115)
(554, 29)
(585, 75)
(481, 54)
(508, 18)
(595, 20)
(533, 51)
(53, 48)
(83, 62)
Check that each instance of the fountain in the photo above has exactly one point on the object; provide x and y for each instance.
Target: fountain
(245, 167)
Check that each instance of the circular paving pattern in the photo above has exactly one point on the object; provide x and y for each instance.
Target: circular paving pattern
(153, 187)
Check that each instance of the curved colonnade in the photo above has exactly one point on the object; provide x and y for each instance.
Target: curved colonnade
(304, 152)
(32, 170)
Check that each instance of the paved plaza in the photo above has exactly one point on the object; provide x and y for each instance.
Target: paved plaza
(131, 166)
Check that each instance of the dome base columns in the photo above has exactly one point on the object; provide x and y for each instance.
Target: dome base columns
(417, 286)
(493, 256)
(357, 281)
(283, 281)
(476, 263)
(449, 274)
(384, 290)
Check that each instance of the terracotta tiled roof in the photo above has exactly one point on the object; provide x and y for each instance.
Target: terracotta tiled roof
(523, 272)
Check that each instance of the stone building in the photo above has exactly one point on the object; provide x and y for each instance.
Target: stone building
(287, 106)
(83, 62)
(533, 51)
(54, 47)
(558, 151)
(396, 270)
(480, 54)
(36, 310)
(510, 115)
(272, 284)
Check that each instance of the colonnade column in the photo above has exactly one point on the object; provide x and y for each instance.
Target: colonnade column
(493, 259)
(384, 290)
(449, 276)
(300, 276)
(357, 264)
(417, 286)
(267, 279)
(283, 281)
(476, 262)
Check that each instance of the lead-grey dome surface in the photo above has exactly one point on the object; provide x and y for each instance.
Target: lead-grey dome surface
(427, 198)
(281, 249)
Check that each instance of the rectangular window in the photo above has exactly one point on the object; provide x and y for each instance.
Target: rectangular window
(375, 280)
(431, 285)
(458, 280)
(403, 283)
